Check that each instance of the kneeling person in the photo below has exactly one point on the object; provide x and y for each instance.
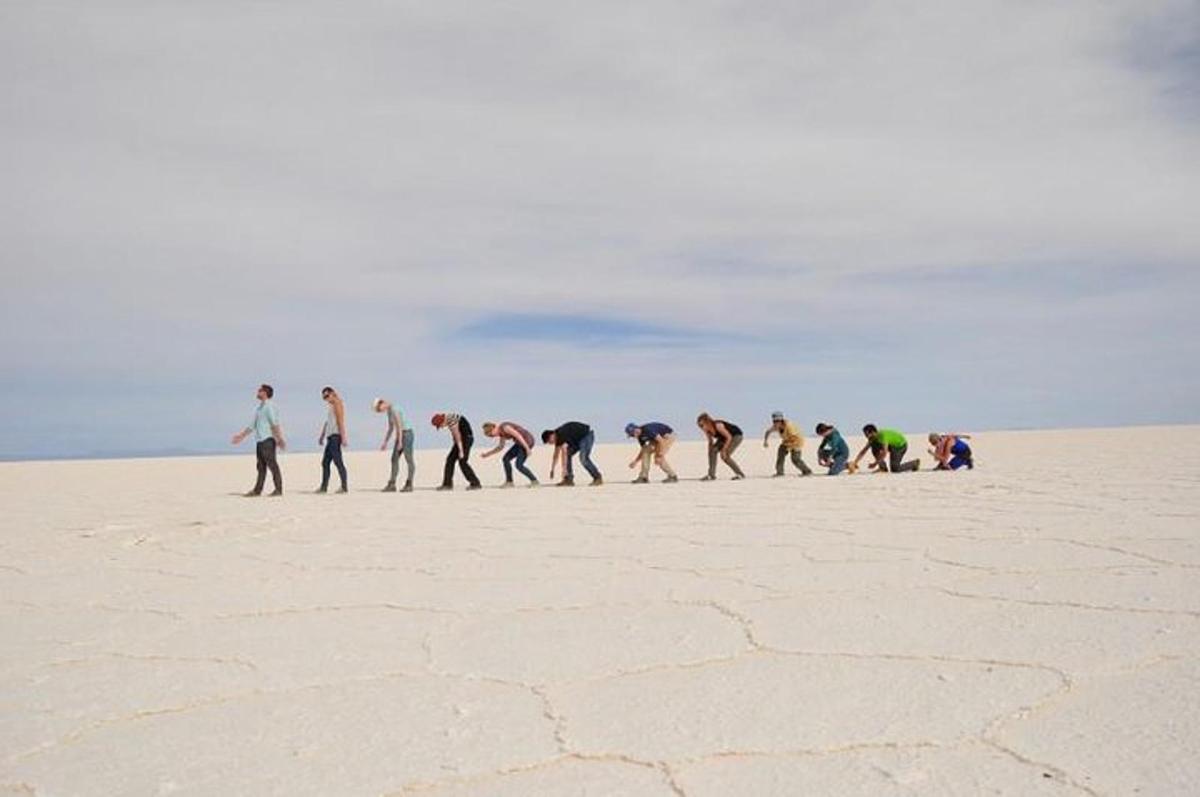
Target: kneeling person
(951, 451)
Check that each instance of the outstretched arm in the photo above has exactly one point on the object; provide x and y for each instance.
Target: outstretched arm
(767, 436)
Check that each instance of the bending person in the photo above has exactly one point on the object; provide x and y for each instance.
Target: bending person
(334, 438)
(723, 439)
(654, 441)
(518, 452)
(951, 451)
(568, 440)
(833, 452)
(790, 444)
(268, 436)
(460, 451)
(888, 447)
(399, 426)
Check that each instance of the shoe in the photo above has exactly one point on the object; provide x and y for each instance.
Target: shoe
(275, 493)
(390, 488)
(737, 477)
(535, 483)
(471, 487)
(445, 487)
(507, 486)
(321, 490)
(777, 476)
(343, 490)
(708, 479)
(917, 467)
(640, 480)
(251, 494)
(407, 488)
(597, 483)
(566, 483)
(670, 480)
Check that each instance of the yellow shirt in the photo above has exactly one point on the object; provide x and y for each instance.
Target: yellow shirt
(792, 439)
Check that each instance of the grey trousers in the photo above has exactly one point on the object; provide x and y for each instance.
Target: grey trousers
(714, 451)
(781, 457)
(403, 446)
(896, 460)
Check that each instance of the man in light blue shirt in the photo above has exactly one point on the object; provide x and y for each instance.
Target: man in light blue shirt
(268, 435)
(399, 425)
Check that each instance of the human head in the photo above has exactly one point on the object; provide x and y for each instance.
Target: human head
(776, 417)
(870, 431)
(632, 429)
(379, 405)
(934, 438)
(438, 420)
(328, 393)
(489, 428)
(705, 422)
(822, 428)
(265, 392)
(548, 437)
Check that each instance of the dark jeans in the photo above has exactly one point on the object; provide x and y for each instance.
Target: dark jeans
(403, 446)
(516, 455)
(264, 452)
(585, 457)
(782, 455)
(896, 461)
(453, 459)
(838, 464)
(333, 454)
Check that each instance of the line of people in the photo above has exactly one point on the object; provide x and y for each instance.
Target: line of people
(887, 447)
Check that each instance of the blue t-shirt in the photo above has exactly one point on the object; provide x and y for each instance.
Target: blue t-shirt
(652, 430)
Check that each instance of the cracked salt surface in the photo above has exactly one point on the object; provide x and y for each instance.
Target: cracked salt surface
(1022, 629)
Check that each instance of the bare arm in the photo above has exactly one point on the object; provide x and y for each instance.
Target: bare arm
(457, 439)
(767, 435)
(862, 454)
(277, 433)
(390, 428)
(722, 431)
(339, 412)
(495, 450)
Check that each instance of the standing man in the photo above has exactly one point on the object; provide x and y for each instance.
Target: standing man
(790, 444)
(269, 436)
(654, 441)
(888, 447)
(333, 437)
(568, 440)
(397, 424)
(833, 452)
(518, 452)
(460, 451)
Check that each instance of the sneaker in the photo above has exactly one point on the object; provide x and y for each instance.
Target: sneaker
(507, 486)
(640, 480)
(343, 490)
(737, 477)
(777, 476)
(535, 483)
(708, 479)
(276, 493)
(251, 494)
(474, 487)
(597, 483)
(445, 487)
(566, 482)
(407, 488)
(390, 488)
(670, 480)
(321, 490)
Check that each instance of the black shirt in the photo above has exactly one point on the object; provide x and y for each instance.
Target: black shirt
(571, 433)
(733, 428)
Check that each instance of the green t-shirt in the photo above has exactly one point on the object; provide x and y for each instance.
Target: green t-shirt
(892, 439)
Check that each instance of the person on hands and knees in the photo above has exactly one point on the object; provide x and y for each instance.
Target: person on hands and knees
(951, 451)
(268, 436)
(888, 447)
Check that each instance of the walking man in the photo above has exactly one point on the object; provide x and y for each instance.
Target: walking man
(568, 440)
(334, 438)
(654, 441)
(460, 451)
(397, 424)
(790, 444)
(518, 452)
(268, 435)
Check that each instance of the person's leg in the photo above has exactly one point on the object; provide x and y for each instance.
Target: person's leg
(645, 455)
(448, 470)
(519, 461)
(839, 464)
(273, 465)
(260, 463)
(713, 450)
(397, 450)
(410, 466)
(464, 464)
(897, 463)
(569, 466)
(660, 456)
(727, 456)
(326, 460)
(585, 455)
(799, 462)
(509, 456)
(337, 459)
(780, 457)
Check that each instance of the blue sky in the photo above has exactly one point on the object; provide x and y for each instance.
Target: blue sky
(941, 214)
